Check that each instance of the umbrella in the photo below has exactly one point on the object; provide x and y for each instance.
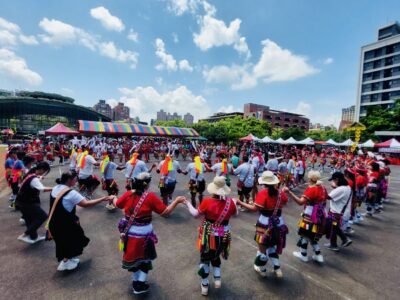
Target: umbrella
(267, 140)
(392, 143)
(249, 138)
(368, 144)
(58, 129)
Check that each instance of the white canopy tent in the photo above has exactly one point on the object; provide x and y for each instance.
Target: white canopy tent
(280, 141)
(290, 141)
(307, 141)
(367, 144)
(346, 143)
(268, 140)
(331, 142)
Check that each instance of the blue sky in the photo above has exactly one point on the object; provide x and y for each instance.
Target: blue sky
(192, 55)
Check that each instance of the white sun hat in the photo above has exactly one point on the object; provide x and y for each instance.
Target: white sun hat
(268, 178)
(218, 187)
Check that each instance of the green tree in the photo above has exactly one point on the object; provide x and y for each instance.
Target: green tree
(296, 133)
(276, 133)
(230, 130)
(172, 123)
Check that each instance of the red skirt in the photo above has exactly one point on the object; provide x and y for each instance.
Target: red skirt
(138, 250)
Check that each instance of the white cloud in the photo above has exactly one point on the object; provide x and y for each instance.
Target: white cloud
(133, 36)
(159, 81)
(179, 7)
(275, 64)
(313, 112)
(278, 64)
(11, 35)
(146, 101)
(58, 33)
(238, 77)
(168, 62)
(303, 108)
(214, 33)
(229, 109)
(185, 66)
(107, 20)
(175, 38)
(328, 61)
(15, 67)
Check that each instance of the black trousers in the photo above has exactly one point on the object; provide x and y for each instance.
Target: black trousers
(34, 217)
(337, 231)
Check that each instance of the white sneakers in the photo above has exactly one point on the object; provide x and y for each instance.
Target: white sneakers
(28, 240)
(278, 273)
(204, 290)
(300, 256)
(110, 207)
(217, 282)
(261, 270)
(318, 258)
(69, 265)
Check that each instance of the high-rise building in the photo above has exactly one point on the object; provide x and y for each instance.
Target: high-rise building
(164, 116)
(161, 116)
(120, 112)
(188, 118)
(103, 108)
(348, 115)
(379, 74)
(277, 118)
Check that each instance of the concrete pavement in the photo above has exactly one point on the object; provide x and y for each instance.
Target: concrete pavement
(368, 269)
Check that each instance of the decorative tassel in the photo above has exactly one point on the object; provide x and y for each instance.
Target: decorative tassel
(121, 245)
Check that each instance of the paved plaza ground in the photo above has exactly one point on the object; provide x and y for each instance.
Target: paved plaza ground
(368, 269)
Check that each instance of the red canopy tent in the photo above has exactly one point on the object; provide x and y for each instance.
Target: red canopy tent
(249, 138)
(58, 129)
(392, 143)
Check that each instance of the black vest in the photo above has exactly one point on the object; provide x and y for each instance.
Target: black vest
(27, 194)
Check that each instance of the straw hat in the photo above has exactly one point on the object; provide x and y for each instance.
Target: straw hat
(268, 178)
(218, 187)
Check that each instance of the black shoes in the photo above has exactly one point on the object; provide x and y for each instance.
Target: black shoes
(140, 287)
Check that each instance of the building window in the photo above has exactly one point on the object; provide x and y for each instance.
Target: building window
(389, 49)
(287, 120)
(388, 61)
(365, 98)
(277, 125)
(366, 88)
(368, 66)
(367, 77)
(286, 125)
(376, 75)
(369, 55)
(377, 64)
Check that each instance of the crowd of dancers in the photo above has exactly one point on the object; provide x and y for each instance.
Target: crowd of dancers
(267, 178)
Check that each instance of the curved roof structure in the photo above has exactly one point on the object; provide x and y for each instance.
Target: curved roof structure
(30, 113)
